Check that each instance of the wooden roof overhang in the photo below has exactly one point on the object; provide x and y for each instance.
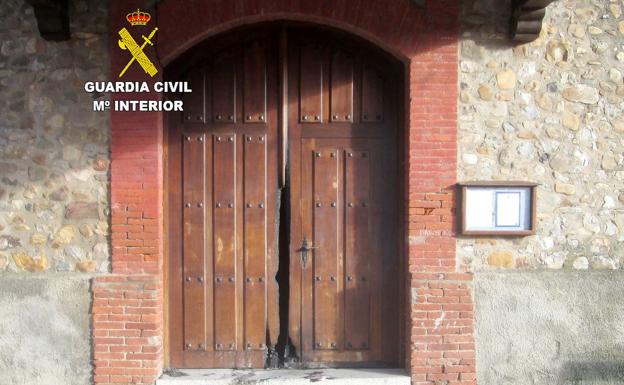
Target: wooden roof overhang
(527, 18)
(52, 18)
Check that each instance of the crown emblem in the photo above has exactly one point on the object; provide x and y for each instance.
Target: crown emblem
(138, 18)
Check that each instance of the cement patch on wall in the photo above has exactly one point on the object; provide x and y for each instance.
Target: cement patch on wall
(549, 328)
(44, 330)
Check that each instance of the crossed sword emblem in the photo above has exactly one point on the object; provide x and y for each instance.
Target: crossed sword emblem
(127, 42)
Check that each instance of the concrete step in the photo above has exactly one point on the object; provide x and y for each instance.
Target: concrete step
(286, 377)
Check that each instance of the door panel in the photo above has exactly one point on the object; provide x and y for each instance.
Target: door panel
(254, 75)
(224, 241)
(357, 248)
(341, 87)
(344, 306)
(326, 189)
(310, 90)
(372, 95)
(341, 304)
(224, 87)
(222, 188)
(255, 230)
(194, 242)
(194, 102)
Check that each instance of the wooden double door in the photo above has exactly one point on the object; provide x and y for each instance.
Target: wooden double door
(284, 117)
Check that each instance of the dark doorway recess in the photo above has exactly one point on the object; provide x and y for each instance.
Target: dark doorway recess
(283, 198)
(286, 351)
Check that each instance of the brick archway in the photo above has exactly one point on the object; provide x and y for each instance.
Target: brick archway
(128, 324)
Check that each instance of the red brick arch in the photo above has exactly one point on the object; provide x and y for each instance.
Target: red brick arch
(128, 325)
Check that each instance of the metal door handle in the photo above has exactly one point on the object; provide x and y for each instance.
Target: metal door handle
(305, 247)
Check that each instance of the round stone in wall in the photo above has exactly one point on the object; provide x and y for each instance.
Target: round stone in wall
(506, 80)
(59, 194)
(100, 164)
(581, 93)
(564, 188)
(86, 266)
(570, 120)
(581, 263)
(29, 263)
(63, 237)
(470, 159)
(485, 92)
(544, 102)
(82, 210)
(38, 239)
(615, 75)
(618, 125)
(577, 30)
(85, 230)
(594, 30)
(500, 259)
(37, 173)
(608, 162)
(556, 52)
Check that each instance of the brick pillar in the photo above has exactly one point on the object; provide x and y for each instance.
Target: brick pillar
(442, 344)
(127, 305)
(127, 329)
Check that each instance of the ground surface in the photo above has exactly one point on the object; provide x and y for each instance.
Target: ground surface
(290, 377)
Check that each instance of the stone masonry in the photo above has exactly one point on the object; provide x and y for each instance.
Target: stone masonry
(54, 150)
(551, 112)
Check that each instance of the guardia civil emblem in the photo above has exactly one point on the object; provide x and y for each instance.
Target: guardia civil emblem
(128, 43)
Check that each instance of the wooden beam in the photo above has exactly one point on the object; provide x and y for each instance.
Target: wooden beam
(52, 18)
(527, 18)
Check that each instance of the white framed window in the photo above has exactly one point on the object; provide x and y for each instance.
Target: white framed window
(498, 208)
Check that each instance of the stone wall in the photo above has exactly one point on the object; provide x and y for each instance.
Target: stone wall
(551, 112)
(54, 150)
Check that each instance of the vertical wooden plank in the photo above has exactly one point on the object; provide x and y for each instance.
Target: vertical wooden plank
(193, 157)
(326, 201)
(271, 333)
(224, 241)
(254, 79)
(223, 84)
(255, 241)
(357, 250)
(194, 102)
(341, 89)
(372, 95)
(385, 290)
(310, 84)
(208, 97)
(283, 108)
(209, 250)
(298, 329)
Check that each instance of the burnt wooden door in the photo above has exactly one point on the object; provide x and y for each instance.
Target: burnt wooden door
(323, 109)
(222, 200)
(345, 265)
